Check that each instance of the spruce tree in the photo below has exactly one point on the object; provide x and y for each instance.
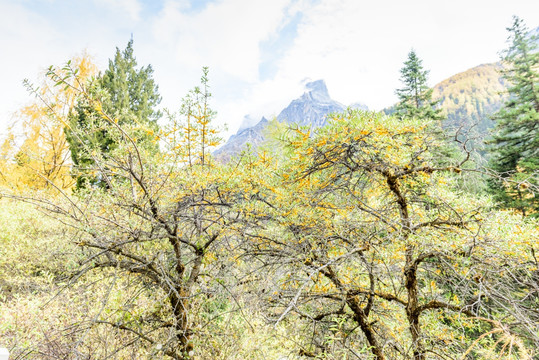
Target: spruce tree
(129, 96)
(515, 143)
(133, 94)
(415, 98)
(415, 101)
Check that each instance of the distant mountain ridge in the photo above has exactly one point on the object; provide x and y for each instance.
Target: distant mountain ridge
(310, 109)
(470, 98)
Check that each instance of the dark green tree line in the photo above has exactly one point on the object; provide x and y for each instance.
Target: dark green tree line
(515, 144)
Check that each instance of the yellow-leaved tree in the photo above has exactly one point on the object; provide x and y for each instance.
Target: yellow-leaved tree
(157, 237)
(39, 157)
(370, 249)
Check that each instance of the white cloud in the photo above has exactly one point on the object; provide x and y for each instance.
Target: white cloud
(225, 35)
(358, 47)
(27, 40)
(130, 7)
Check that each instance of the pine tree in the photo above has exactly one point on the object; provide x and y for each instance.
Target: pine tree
(515, 144)
(133, 94)
(129, 96)
(415, 101)
(415, 98)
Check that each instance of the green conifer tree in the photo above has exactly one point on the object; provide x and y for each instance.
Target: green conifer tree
(515, 144)
(415, 98)
(129, 96)
(133, 94)
(415, 101)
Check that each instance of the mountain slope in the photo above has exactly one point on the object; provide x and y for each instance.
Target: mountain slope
(236, 143)
(468, 99)
(310, 109)
(472, 97)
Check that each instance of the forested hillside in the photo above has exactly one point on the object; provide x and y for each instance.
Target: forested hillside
(472, 97)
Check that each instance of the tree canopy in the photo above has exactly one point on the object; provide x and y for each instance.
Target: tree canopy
(515, 143)
(41, 159)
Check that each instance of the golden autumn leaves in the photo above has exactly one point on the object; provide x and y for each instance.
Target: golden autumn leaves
(353, 227)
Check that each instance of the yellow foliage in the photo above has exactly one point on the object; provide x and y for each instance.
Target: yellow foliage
(43, 159)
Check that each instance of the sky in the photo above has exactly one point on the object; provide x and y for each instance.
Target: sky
(260, 52)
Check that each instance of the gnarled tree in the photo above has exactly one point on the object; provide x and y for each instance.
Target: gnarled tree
(157, 230)
(376, 250)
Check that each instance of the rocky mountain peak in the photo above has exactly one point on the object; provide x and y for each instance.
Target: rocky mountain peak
(317, 90)
(310, 109)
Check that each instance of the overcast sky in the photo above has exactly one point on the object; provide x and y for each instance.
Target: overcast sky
(260, 52)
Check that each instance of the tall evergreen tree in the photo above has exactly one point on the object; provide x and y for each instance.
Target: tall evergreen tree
(415, 101)
(133, 94)
(129, 96)
(515, 144)
(415, 98)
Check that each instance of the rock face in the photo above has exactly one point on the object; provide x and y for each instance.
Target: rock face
(310, 109)
(358, 106)
(236, 143)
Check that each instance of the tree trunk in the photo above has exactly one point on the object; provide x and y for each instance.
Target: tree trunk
(412, 312)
